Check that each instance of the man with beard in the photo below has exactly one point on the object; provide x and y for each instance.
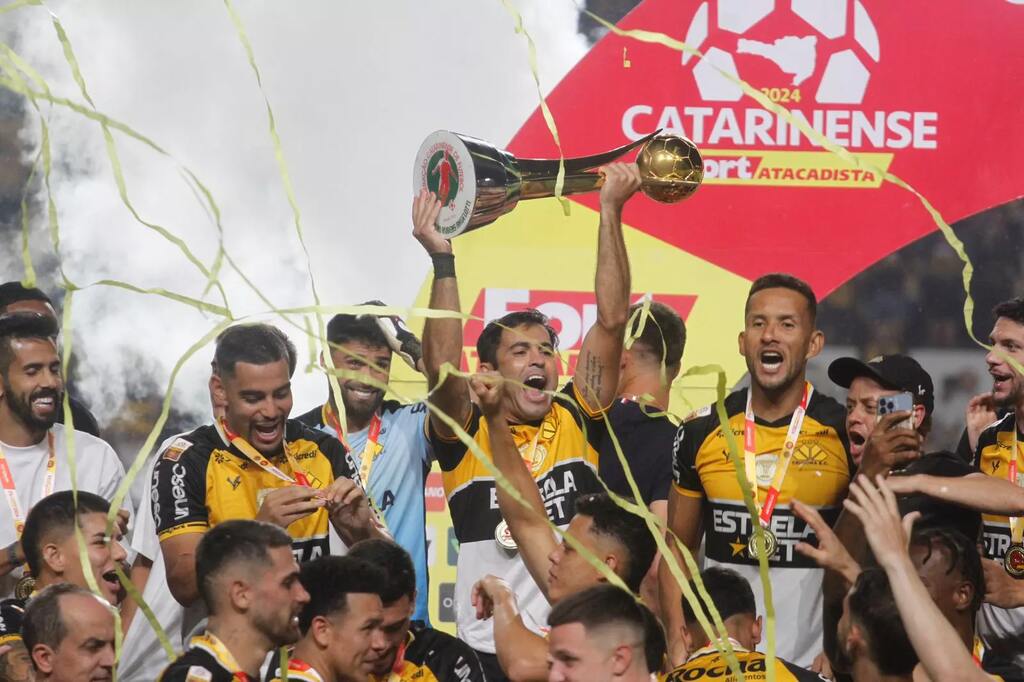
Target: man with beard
(253, 463)
(559, 438)
(249, 580)
(994, 489)
(793, 444)
(34, 459)
(17, 298)
(341, 623)
(69, 632)
(410, 651)
(386, 438)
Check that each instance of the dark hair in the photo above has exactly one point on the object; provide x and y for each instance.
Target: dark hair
(43, 623)
(873, 608)
(256, 344)
(664, 333)
(782, 280)
(400, 575)
(936, 513)
(964, 557)
(13, 292)
(56, 513)
(1011, 310)
(231, 542)
(330, 579)
(362, 328)
(626, 528)
(606, 605)
(730, 594)
(20, 326)
(490, 337)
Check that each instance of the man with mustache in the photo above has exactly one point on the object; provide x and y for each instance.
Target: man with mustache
(17, 298)
(34, 459)
(387, 439)
(249, 580)
(253, 463)
(559, 438)
(340, 624)
(793, 445)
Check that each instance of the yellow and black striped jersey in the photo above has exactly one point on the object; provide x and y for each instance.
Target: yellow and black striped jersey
(819, 475)
(201, 480)
(564, 464)
(711, 665)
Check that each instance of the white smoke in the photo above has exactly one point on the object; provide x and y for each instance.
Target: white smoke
(355, 87)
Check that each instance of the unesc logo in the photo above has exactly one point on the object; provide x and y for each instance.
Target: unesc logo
(817, 58)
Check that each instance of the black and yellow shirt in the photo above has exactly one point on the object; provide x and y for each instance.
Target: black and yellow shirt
(12, 614)
(709, 664)
(564, 464)
(1001, 630)
(819, 475)
(201, 480)
(434, 656)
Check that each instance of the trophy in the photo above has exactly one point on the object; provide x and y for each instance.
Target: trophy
(478, 183)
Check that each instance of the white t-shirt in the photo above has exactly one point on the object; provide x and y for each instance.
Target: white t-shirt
(142, 656)
(99, 471)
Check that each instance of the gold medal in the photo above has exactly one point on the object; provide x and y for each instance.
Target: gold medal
(754, 549)
(503, 536)
(25, 587)
(1013, 561)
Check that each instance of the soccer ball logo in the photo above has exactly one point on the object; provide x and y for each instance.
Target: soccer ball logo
(822, 46)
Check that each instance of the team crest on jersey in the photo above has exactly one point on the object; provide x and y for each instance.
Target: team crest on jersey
(175, 450)
(809, 454)
(765, 468)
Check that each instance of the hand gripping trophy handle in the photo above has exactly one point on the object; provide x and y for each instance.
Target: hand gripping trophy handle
(478, 183)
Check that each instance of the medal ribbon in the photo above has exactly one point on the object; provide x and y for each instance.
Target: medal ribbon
(785, 457)
(1016, 527)
(535, 441)
(216, 648)
(262, 462)
(372, 438)
(11, 491)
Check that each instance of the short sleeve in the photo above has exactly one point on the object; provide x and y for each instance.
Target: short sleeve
(449, 451)
(178, 490)
(593, 424)
(656, 440)
(685, 445)
(111, 473)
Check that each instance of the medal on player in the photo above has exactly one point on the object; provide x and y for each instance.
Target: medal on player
(1013, 561)
(503, 536)
(477, 183)
(754, 549)
(24, 588)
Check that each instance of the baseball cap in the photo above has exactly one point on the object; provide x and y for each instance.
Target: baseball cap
(895, 372)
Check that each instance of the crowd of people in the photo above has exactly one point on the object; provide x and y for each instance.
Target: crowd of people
(597, 538)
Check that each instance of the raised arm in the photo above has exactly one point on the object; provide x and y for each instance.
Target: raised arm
(940, 649)
(977, 491)
(528, 525)
(684, 520)
(597, 369)
(442, 338)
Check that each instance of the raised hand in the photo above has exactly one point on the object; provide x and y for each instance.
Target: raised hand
(425, 209)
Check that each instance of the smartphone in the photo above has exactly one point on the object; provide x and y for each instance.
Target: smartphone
(901, 402)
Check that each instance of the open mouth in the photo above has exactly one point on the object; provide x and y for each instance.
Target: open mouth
(110, 579)
(535, 385)
(857, 439)
(771, 360)
(44, 402)
(268, 433)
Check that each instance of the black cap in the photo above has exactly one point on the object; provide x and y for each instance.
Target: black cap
(895, 372)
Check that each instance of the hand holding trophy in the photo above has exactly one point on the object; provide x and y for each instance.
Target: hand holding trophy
(478, 183)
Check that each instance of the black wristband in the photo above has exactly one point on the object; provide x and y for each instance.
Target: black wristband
(444, 265)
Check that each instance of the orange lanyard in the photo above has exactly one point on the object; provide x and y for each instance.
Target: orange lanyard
(262, 462)
(10, 489)
(369, 449)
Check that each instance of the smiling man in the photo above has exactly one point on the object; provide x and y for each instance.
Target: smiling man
(793, 446)
(253, 463)
(388, 441)
(558, 438)
(33, 446)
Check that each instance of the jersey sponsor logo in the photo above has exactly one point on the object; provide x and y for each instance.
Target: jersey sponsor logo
(717, 668)
(387, 500)
(154, 495)
(178, 492)
(235, 482)
(197, 673)
(731, 529)
(462, 669)
(555, 488)
(174, 451)
(996, 541)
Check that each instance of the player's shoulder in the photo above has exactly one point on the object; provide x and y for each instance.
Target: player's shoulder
(194, 446)
(85, 442)
(314, 419)
(798, 674)
(296, 431)
(12, 614)
(705, 419)
(990, 434)
(448, 657)
(195, 665)
(827, 411)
